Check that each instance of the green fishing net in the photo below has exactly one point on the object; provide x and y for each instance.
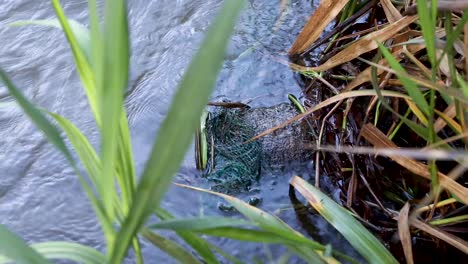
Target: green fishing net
(234, 165)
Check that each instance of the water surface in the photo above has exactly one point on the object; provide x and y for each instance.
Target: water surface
(40, 197)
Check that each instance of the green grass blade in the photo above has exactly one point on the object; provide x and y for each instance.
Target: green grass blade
(14, 248)
(83, 148)
(358, 236)
(410, 86)
(169, 246)
(53, 136)
(198, 223)
(268, 225)
(70, 251)
(79, 31)
(116, 54)
(97, 61)
(463, 85)
(82, 65)
(260, 236)
(91, 162)
(176, 132)
(427, 23)
(244, 234)
(202, 246)
(125, 165)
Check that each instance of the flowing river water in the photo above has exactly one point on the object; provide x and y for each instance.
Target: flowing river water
(41, 198)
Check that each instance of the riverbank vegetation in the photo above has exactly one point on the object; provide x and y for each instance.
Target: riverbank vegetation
(389, 96)
(403, 84)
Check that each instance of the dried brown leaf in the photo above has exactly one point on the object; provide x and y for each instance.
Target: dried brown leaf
(329, 101)
(425, 83)
(325, 13)
(365, 76)
(391, 12)
(379, 139)
(447, 237)
(444, 64)
(447, 117)
(404, 233)
(364, 44)
(415, 153)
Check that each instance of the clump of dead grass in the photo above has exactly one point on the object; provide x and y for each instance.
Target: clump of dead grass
(392, 81)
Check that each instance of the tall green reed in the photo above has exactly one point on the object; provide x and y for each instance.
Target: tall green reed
(104, 75)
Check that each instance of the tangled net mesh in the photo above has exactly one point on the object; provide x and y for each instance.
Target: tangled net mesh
(235, 166)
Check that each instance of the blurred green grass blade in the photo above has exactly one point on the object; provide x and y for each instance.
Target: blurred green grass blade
(169, 246)
(92, 164)
(427, 23)
(410, 86)
(69, 251)
(14, 248)
(244, 234)
(53, 136)
(202, 246)
(83, 148)
(136, 245)
(268, 225)
(356, 234)
(97, 61)
(125, 165)
(310, 256)
(198, 223)
(82, 65)
(453, 36)
(260, 236)
(116, 54)
(463, 85)
(79, 31)
(177, 130)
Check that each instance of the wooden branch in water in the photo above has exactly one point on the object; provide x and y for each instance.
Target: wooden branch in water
(229, 104)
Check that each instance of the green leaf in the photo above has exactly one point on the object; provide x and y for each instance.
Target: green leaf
(356, 234)
(53, 136)
(202, 246)
(82, 65)
(176, 132)
(198, 223)
(125, 165)
(114, 82)
(410, 86)
(79, 31)
(427, 20)
(272, 229)
(169, 246)
(83, 148)
(260, 236)
(245, 234)
(70, 251)
(14, 248)
(88, 157)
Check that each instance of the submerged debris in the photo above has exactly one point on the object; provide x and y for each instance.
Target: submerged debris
(234, 164)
